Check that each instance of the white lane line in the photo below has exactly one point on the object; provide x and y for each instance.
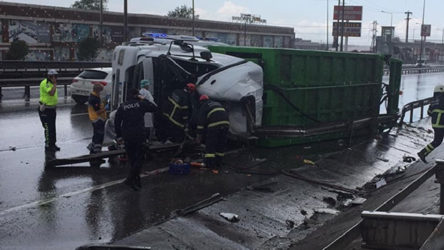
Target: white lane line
(70, 194)
(79, 114)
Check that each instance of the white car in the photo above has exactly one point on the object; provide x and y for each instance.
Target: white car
(82, 84)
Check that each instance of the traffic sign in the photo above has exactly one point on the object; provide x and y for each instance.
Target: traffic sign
(351, 29)
(353, 13)
(426, 29)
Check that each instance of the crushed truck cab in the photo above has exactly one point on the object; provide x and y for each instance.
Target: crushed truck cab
(235, 82)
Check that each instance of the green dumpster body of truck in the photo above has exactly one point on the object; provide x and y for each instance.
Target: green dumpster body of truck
(306, 89)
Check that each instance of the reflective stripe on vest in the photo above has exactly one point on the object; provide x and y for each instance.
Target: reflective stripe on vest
(215, 110)
(438, 118)
(214, 124)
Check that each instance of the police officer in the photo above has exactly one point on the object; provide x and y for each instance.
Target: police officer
(212, 121)
(436, 111)
(129, 125)
(176, 112)
(47, 109)
(97, 115)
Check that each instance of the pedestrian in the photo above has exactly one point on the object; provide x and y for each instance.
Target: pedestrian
(212, 128)
(130, 130)
(436, 111)
(146, 94)
(176, 111)
(47, 109)
(97, 115)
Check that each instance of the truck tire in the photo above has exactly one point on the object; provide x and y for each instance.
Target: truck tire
(79, 99)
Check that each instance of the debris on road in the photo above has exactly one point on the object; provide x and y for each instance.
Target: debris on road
(230, 217)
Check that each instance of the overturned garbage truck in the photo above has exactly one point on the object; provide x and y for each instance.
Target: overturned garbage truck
(279, 96)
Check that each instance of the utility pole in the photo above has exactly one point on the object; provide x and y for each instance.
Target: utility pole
(101, 24)
(125, 20)
(375, 31)
(408, 13)
(338, 27)
(193, 19)
(342, 25)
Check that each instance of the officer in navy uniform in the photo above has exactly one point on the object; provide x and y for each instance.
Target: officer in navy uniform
(213, 124)
(436, 111)
(130, 129)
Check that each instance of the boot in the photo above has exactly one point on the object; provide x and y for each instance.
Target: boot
(422, 155)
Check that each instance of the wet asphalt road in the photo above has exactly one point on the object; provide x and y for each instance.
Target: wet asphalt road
(69, 207)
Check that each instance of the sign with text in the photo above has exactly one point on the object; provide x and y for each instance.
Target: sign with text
(426, 29)
(350, 29)
(353, 13)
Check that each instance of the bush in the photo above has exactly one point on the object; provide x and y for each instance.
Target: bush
(88, 49)
(17, 50)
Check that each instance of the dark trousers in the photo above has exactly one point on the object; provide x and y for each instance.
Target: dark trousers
(437, 140)
(98, 135)
(135, 152)
(215, 143)
(48, 119)
(167, 130)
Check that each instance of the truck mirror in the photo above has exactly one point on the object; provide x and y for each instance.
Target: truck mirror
(206, 55)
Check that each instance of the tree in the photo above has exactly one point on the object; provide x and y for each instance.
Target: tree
(182, 12)
(17, 50)
(88, 4)
(88, 49)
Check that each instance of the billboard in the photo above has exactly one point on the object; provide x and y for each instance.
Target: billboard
(426, 29)
(353, 13)
(350, 29)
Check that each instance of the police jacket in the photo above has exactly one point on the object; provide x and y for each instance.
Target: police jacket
(177, 108)
(436, 111)
(129, 121)
(211, 115)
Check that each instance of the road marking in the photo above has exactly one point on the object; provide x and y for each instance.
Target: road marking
(70, 194)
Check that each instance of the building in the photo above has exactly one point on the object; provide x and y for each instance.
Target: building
(53, 33)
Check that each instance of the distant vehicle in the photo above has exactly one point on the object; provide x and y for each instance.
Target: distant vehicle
(420, 64)
(82, 84)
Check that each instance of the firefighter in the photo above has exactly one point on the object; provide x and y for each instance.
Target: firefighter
(130, 130)
(47, 109)
(176, 112)
(213, 124)
(97, 115)
(436, 111)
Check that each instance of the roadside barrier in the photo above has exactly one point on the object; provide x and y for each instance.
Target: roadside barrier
(410, 107)
(31, 73)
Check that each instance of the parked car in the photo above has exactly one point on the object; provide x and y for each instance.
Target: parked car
(420, 64)
(82, 84)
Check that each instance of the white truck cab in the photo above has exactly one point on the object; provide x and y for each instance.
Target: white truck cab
(235, 82)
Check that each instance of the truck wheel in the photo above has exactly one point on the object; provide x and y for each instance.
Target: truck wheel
(79, 99)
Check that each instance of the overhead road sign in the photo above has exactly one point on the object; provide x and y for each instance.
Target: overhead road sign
(350, 29)
(351, 13)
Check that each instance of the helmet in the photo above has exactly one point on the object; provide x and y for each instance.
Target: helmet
(144, 83)
(203, 97)
(191, 87)
(52, 72)
(439, 89)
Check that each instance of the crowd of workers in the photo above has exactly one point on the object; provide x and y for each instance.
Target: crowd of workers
(184, 115)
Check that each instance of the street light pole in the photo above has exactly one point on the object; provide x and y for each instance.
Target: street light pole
(422, 37)
(125, 20)
(193, 19)
(101, 23)
(327, 25)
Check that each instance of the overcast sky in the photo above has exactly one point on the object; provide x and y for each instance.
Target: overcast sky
(308, 17)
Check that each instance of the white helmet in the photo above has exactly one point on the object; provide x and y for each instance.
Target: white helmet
(52, 72)
(439, 89)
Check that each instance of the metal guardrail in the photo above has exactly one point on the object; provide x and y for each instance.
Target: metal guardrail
(415, 70)
(410, 107)
(31, 73)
